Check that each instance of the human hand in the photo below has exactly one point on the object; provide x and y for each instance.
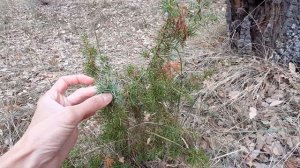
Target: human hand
(53, 130)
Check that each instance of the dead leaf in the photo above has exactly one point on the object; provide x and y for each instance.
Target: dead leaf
(121, 159)
(147, 117)
(171, 69)
(264, 104)
(244, 149)
(295, 140)
(148, 141)
(221, 93)
(253, 155)
(269, 139)
(253, 112)
(276, 103)
(292, 68)
(205, 143)
(260, 165)
(277, 149)
(279, 94)
(207, 83)
(293, 162)
(289, 142)
(260, 141)
(108, 162)
(270, 100)
(267, 149)
(262, 158)
(233, 95)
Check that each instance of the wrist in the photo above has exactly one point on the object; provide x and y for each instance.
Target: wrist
(21, 154)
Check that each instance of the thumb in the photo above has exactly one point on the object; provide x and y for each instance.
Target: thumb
(89, 107)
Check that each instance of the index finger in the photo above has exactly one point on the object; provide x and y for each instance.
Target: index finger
(63, 83)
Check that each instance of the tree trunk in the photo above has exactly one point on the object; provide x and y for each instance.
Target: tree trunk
(266, 27)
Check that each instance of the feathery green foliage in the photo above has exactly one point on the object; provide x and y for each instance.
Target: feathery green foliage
(90, 54)
(142, 122)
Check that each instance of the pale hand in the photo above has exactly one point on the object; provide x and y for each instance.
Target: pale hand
(53, 130)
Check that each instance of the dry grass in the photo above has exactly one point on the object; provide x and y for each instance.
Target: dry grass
(222, 108)
(220, 112)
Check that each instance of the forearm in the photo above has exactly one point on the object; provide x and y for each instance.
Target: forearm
(20, 155)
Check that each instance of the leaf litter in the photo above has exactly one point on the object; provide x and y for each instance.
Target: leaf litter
(247, 112)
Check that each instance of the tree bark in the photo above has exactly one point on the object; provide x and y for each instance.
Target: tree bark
(267, 27)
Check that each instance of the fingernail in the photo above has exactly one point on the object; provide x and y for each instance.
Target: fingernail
(107, 96)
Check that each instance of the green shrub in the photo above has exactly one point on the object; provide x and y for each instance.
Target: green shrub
(142, 122)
